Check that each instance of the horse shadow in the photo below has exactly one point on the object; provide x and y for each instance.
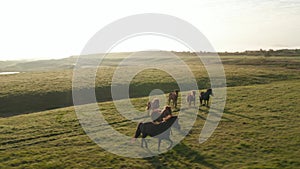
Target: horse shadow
(180, 152)
(206, 111)
(226, 111)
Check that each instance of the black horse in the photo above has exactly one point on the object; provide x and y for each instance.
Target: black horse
(204, 97)
(160, 131)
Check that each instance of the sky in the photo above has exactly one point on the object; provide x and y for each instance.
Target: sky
(35, 29)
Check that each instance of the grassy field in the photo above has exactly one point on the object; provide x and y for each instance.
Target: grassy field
(35, 91)
(260, 127)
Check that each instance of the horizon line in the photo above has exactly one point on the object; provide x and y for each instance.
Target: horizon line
(238, 51)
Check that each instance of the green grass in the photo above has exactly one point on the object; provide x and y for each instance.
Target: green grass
(259, 128)
(256, 131)
(45, 90)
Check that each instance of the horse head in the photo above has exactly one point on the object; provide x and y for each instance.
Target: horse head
(167, 110)
(209, 91)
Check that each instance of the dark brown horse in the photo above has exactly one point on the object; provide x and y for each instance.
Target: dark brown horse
(161, 131)
(173, 96)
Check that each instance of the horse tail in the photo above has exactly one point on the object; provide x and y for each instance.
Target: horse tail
(138, 130)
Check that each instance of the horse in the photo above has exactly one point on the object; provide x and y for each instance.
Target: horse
(161, 131)
(204, 97)
(191, 97)
(159, 116)
(173, 96)
(152, 106)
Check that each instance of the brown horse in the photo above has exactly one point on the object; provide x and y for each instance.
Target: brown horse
(173, 96)
(191, 97)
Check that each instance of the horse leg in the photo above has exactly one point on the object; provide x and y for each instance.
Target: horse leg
(207, 102)
(189, 100)
(144, 141)
(175, 103)
(146, 144)
(200, 101)
(171, 143)
(142, 144)
(159, 141)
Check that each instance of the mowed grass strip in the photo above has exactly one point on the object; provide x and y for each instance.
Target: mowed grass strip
(259, 129)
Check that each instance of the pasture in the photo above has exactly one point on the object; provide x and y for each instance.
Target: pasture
(260, 127)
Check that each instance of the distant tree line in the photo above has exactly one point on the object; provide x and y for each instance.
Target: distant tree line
(266, 53)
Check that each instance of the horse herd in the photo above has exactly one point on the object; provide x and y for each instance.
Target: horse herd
(163, 120)
(191, 97)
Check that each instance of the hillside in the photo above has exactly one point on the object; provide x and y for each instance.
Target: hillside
(50, 89)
